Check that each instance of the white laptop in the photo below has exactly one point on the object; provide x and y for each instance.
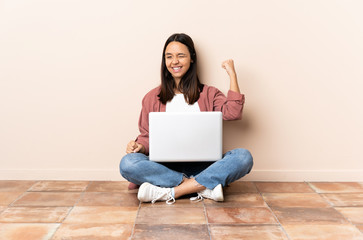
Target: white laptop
(185, 136)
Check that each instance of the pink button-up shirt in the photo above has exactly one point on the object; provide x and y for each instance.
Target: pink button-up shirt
(210, 99)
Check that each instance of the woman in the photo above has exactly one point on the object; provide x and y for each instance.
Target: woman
(181, 90)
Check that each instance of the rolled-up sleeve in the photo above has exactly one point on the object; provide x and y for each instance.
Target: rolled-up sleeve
(230, 106)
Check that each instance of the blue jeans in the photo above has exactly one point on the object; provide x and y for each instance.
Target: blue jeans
(137, 168)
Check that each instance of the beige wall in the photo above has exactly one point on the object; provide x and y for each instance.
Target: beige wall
(73, 73)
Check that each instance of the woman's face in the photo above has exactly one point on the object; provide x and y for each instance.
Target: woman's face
(177, 59)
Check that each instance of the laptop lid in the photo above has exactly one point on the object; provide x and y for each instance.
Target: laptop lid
(185, 136)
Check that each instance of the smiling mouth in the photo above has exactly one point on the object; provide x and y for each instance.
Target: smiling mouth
(176, 69)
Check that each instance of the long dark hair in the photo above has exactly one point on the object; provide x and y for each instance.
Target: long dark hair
(189, 85)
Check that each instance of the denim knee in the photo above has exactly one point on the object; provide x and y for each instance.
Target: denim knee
(127, 164)
(243, 159)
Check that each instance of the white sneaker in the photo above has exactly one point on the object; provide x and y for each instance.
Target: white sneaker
(216, 194)
(150, 193)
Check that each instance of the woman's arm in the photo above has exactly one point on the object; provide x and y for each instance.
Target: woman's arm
(229, 66)
(143, 138)
(148, 105)
(232, 105)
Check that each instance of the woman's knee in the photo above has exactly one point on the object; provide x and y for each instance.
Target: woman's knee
(128, 163)
(244, 158)
(124, 164)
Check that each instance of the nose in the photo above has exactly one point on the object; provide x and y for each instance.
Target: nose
(175, 60)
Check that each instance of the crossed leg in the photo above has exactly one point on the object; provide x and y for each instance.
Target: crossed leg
(188, 186)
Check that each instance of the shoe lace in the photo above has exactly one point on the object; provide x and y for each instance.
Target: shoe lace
(198, 198)
(171, 200)
(161, 194)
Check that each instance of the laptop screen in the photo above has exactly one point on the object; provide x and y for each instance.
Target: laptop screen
(185, 136)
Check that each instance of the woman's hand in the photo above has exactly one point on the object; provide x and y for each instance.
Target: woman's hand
(134, 147)
(229, 66)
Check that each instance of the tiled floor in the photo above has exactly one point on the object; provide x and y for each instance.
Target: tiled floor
(251, 210)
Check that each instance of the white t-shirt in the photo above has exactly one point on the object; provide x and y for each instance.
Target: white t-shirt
(178, 104)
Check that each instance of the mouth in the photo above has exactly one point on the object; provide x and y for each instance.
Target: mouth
(176, 69)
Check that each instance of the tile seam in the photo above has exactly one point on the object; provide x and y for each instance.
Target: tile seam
(277, 220)
(21, 195)
(206, 220)
(134, 225)
(70, 210)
